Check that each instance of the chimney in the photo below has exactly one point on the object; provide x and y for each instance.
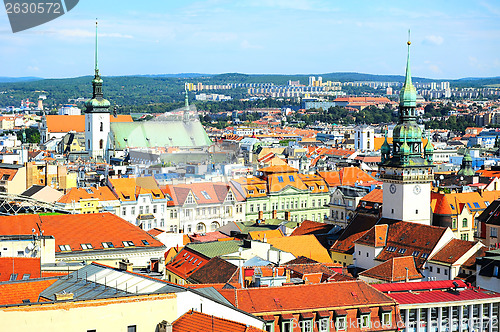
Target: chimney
(125, 265)
(275, 214)
(164, 326)
(64, 296)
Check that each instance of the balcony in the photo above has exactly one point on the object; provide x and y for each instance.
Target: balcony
(409, 178)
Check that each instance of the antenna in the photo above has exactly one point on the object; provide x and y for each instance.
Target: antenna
(96, 57)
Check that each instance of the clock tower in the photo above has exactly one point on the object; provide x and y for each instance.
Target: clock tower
(97, 117)
(406, 169)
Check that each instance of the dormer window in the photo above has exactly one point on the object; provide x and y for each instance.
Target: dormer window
(86, 246)
(65, 247)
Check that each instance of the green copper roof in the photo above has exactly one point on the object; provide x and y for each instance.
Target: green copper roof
(408, 94)
(159, 134)
(405, 148)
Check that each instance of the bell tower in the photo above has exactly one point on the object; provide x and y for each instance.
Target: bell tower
(97, 116)
(407, 169)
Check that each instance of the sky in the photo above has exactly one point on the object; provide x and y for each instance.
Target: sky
(450, 39)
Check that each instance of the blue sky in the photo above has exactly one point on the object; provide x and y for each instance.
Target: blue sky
(450, 39)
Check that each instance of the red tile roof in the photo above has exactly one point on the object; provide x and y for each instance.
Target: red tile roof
(418, 286)
(311, 227)
(17, 291)
(207, 237)
(77, 229)
(394, 270)
(193, 321)
(347, 176)
(374, 196)
(20, 266)
(453, 251)
(436, 296)
(305, 297)
(186, 262)
(76, 194)
(361, 224)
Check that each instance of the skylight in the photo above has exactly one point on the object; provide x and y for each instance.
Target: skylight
(205, 194)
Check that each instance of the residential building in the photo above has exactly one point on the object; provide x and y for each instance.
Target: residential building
(12, 179)
(294, 196)
(90, 200)
(489, 225)
(355, 305)
(487, 269)
(204, 207)
(343, 203)
(396, 269)
(100, 237)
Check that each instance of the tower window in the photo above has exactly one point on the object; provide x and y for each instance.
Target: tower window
(392, 211)
(101, 144)
(88, 142)
(102, 126)
(416, 211)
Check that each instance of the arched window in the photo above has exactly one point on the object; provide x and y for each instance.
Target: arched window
(88, 142)
(102, 126)
(101, 144)
(214, 226)
(200, 227)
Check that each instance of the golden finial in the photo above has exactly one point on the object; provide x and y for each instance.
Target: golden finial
(408, 42)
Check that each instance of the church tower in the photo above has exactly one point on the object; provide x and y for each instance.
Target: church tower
(97, 117)
(406, 169)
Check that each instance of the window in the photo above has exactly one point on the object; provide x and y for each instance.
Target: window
(26, 276)
(107, 245)
(287, 326)
(438, 270)
(324, 325)
(445, 272)
(132, 328)
(402, 250)
(13, 277)
(101, 144)
(154, 208)
(476, 205)
(162, 222)
(128, 243)
(147, 208)
(200, 227)
(306, 326)
(88, 143)
(141, 209)
(493, 232)
(291, 178)
(145, 242)
(386, 318)
(464, 222)
(415, 253)
(205, 194)
(132, 210)
(430, 268)
(424, 255)
(365, 320)
(495, 271)
(269, 327)
(454, 223)
(280, 179)
(20, 253)
(65, 247)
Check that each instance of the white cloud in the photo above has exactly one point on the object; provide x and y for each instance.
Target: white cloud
(245, 44)
(433, 40)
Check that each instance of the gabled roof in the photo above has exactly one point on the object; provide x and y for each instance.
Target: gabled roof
(204, 192)
(197, 321)
(128, 189)
(215, 248)
(394, 270)
(216, 271)
(453, 251)
(374, 196)
(302, 245)
(306, 297)
(77, 194)
(453, 204)
(16, 291)
(265, 234)
(358, 226)
(491, 215)
(406, 238)
(74, 230)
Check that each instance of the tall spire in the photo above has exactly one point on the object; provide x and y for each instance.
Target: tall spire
(408, 94)
(185, 115)
(96, 50)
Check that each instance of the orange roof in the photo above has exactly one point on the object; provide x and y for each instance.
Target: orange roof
(449, 204)
(76, 194)
(19, 265)
(374, 196)
(263, 235)
(66, 123)
(17, 291)
(197, 321)
(302, 245)
(77, 229)
(394, 270)
(127, 189)
(186, 262)
(7, 174)
(261, 300)
(347, 176)
(453, 251)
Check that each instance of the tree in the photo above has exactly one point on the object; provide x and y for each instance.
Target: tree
(32, 135)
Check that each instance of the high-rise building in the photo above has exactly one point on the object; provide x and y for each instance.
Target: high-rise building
(406, 169)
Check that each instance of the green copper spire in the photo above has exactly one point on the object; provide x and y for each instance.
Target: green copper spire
(408, 94)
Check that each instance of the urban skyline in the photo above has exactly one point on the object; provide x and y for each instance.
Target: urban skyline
(451, 40)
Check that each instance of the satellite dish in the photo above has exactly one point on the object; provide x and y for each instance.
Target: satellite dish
(31, 246)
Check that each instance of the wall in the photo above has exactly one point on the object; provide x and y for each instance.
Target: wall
(101, 315)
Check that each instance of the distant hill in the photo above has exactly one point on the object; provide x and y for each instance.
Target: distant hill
(18, 79)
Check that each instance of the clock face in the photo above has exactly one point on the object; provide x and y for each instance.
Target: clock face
(417, 190)
(392, 188)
